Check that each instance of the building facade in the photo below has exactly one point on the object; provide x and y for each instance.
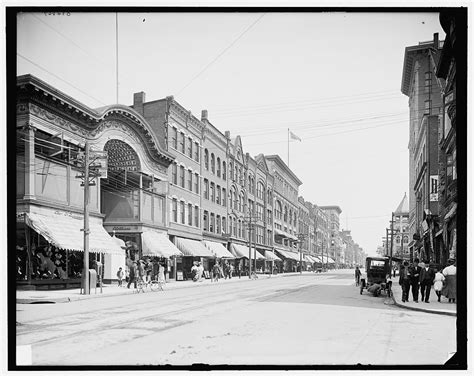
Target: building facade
(335, 243)
(57, 138)
(446, 71)
(424, 91)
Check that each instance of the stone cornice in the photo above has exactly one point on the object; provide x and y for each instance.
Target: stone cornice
(185, 115)
(54, 106)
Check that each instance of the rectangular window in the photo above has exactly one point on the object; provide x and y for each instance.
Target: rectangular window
(174, 173)
(205, 219)
(218, 224)
(206, 189)
(196, 152)
(196, 216)
(181, 207)
(196, 183)
(213, 190)
(224, 228)
(181, 176)
(190, 147)
(218, 194)
(224, 197)
(175, 210)
(190, 180)
(213, 223)
(190, 214)
(181, 142)
(174, 137)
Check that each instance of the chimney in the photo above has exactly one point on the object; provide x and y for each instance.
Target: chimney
(227, 135)
(204, 115)
(436, 40)
(138, 101)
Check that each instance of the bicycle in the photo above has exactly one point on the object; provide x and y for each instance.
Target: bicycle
(153, 285)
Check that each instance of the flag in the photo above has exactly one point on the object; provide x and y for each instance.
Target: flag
(294, 137)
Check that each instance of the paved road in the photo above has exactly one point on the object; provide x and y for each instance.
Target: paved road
(309, 319)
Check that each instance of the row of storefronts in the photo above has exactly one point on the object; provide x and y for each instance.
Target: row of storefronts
(161, 195)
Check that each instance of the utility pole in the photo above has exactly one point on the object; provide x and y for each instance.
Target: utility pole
(391, 243)
(301, 238)
(86, 221)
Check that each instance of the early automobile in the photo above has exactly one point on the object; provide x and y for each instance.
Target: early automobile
(377, 271)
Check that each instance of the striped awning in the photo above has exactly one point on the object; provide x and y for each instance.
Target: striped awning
(218, 249)
(157, 244)
(288, 255)
(241, 251)
(66, 232)
(191, 247)
(270, 256)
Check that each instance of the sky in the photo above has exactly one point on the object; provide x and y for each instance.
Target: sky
(333, 79)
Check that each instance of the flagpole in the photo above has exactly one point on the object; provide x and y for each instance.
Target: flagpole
(288, 147)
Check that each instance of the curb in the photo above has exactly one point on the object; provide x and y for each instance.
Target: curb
(447, 313)
(126, 291)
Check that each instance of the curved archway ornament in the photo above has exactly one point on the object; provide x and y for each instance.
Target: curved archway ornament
(121, 157)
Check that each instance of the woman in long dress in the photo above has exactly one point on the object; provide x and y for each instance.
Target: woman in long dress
(450, 274)
(438, 284)
(161, 273)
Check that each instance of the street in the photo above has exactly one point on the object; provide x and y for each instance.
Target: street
(309, 319)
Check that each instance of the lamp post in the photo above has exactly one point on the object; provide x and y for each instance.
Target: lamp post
(301, 238)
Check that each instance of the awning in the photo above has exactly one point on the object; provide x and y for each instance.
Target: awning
(157, 244)
(289, 255)
(284, 234)
(270, 256)
(218, 249)
(191, 247)
(308, 258)
(241, 251)
(66, 232)
(440, 232)
(451, 212)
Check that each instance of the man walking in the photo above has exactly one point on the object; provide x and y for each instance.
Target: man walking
(414, 273)
(404, 281)
(426, 280)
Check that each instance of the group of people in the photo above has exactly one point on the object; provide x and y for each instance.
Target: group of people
(421, 276)
(143, 269)
(226, 271)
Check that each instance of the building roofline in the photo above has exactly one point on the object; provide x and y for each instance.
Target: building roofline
(282, 164)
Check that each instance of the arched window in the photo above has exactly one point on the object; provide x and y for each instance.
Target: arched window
(231, 198)
(398, 239)
(290, 218)
(241, 201)
(218, 167)
(206, 159)
(224, 171)
(231, 171)
(285, 214)
(213, 163)
(260, 191)
(278, 210)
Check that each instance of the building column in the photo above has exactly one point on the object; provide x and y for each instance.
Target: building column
(29, 132)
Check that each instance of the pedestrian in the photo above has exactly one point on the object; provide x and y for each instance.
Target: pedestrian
(414, 273)
(231, 271)
(216, 272)
(438, 283)
(133, 275)
(120, 276)
(161, 273)
(194, 271)
(239, 270)
(404, 281)
(357, 276)
(141, 270)
(449, 289)
(426, 281)
(226, 269)
(200, 272)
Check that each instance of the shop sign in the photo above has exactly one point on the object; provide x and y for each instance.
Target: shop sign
(434, 187)
(179, 275)
(124, 228)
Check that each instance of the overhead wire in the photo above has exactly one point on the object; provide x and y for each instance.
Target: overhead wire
(221, 53)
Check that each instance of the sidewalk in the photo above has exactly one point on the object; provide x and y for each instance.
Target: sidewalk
(69, 295)
(443, 307)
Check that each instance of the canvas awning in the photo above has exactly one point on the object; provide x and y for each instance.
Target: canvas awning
(157, 244)
(241, 251)
(191, 247)
(289, 255)
(218, 249)
(451, 212)
(284, 234)
(270, 256)
(66, 232)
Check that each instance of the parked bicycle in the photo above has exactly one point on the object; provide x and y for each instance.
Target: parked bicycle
(153, 285)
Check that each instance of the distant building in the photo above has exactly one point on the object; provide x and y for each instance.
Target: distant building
(335, 246)
(401, 237)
